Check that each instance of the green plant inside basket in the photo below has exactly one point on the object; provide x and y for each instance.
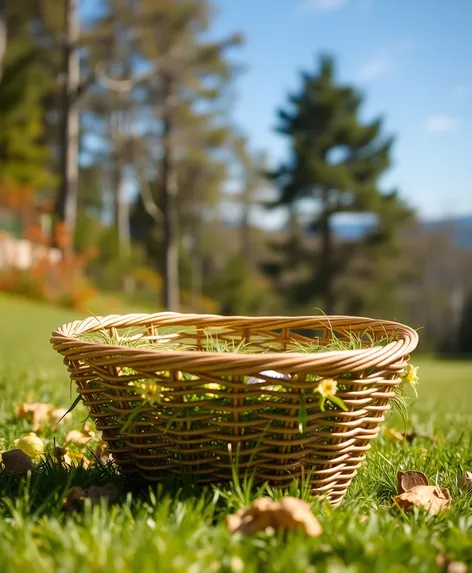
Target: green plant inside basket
(152, 393)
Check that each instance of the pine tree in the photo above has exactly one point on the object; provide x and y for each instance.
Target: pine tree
(334, 165)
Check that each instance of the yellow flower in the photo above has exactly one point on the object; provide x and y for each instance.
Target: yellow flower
(212, 386)
(327, 387)
(31, 445)
(151, 392)
(411, 375)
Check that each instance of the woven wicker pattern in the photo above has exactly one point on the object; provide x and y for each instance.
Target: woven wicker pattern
(208, 419)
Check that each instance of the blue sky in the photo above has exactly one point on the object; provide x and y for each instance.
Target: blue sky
(411, 58)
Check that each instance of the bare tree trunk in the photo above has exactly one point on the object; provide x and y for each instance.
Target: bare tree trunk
(3, 34)
(196, 268)
(120, 132)
(121, 208)
(66, 206)
(171, 298)
(246, 232)
(327, 259)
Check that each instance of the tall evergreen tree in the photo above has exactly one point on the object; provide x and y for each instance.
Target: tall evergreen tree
(334, 165)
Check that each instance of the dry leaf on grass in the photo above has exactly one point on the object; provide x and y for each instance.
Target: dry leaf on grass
(457, 567)
(430, 497)
(39, 413)
(58, 414)
(451, 566)
(76, 496)
(465, 481)
(102, 454)
(31, 444)
(80, 437)
(397, 436)
(59, 453)
(16, 461)
(69, 458)
(289, 514)
(410, 478)
(96, 492)
(36, 412)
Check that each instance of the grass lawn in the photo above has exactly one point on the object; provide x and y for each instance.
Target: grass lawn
(184, 531)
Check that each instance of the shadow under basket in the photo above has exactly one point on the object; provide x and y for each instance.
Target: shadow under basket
(202, 397)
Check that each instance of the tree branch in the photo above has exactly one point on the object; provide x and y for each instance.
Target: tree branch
(110, 83)
(120, 85)
(149, 204)
(3, 45)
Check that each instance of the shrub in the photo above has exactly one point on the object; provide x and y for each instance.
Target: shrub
(61, 282)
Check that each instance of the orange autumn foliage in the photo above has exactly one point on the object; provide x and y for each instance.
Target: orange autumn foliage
(61, 282)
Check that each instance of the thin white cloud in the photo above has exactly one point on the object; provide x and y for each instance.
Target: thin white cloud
(375, 68)
(440, 123)
(324, 5)
(385, 62)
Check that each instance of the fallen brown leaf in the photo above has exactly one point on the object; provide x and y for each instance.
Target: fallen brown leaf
(36, 412)
(57, 416)
(457, 567)
(76, 459)
(16, 461)
(76, 496)
(59, 453)
(31, 444)
(430, 497)
(88, 429)
(58, 413)
(96, 492)
(40, 413)
(410, 478)
(395, 435)
(450, 566)
(102, 454)
(79, 437)
(289, 514)
(465, 481)
(70, 458)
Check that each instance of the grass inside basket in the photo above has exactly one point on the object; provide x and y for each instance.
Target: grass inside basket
(148, 393)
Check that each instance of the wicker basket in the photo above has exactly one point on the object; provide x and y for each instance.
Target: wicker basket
(207, 419)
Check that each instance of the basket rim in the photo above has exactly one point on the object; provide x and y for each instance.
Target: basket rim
(64, 341)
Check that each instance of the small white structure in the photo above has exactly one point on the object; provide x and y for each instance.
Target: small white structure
(22, 254)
